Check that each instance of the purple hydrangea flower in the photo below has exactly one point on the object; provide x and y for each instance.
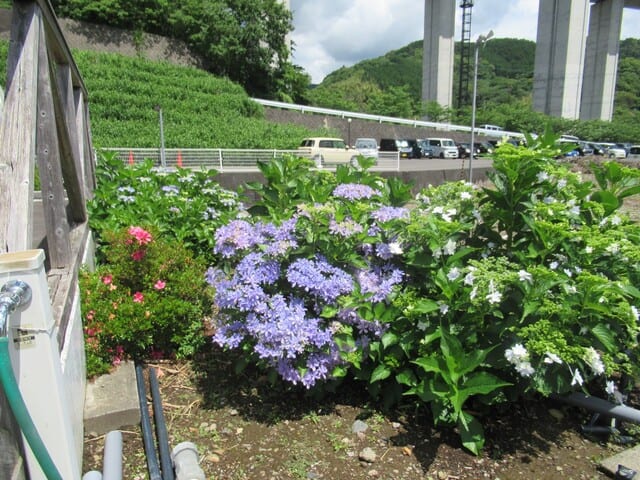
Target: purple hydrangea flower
(237, 235)
(386, 213)
(346, 228)
(254, 268)
(355, 191)
(319, 278)
(379, 281)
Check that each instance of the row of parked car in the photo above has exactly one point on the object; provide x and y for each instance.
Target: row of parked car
(334, 150)
(325, 150)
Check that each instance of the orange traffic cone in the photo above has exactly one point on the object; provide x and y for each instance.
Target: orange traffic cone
(179, 160)
(130, 157)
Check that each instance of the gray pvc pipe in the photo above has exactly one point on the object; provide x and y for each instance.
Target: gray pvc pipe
(112, 461)
(602, 406)
(92, 475)
(186, 462)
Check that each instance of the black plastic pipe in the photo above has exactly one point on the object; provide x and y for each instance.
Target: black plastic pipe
(161, 427)
(145, 423)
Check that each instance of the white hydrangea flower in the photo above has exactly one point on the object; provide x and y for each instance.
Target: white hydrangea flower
(550, 358)
(553, 265)
(588, 249)
(525, 276)
(453, 274)
(444, 308)
(611, 387)
(450, 247)
(595, 362)
(542, 176)
(516, 354)
(613, 248)
(525, 369)
(474, 293)
(395, 248)
(562, 183)
(577, 378)
(465, 196)
(469, 279)
(494, 296)
(616, 220)
(634, 311)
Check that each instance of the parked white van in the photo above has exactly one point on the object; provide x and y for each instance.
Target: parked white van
(443, 147)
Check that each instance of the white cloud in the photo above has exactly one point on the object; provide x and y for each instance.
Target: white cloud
(330, 34)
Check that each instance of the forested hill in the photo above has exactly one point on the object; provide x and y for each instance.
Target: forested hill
(391, 84)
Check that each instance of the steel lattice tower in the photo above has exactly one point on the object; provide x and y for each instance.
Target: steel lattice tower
(465, 54)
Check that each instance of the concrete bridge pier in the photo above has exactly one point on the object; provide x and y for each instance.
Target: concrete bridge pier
(560, 52)
(601, 62)
(437, 60)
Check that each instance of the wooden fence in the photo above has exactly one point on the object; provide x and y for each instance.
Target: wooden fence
(45, 132)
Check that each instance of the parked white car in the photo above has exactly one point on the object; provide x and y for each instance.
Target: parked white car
(612, 151)
(324, 150)
(634, 153)
(368, 147)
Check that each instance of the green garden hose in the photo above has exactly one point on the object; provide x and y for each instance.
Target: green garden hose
(21, 414)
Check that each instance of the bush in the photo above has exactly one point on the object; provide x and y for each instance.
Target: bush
(184, 205)
(148, 300)
(472, 297)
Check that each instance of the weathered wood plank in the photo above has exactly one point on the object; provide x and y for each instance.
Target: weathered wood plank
(48, 155)
(66, 124)
(18, 130)
(58, 45)
(85, 146)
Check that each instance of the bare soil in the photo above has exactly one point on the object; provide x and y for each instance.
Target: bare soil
(245, 428)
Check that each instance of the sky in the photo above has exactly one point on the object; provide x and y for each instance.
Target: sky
(329, 34)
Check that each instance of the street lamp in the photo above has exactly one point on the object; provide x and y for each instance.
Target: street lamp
(349, 132)
(482, 39)
(163, 158)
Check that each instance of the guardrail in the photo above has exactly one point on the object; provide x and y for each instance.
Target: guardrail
(447, 127)
(227, 159)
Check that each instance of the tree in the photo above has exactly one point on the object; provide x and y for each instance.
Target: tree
(244, 40)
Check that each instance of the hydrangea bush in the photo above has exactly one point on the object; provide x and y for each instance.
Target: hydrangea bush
(471, 296)
(148, 300)
(182, 204)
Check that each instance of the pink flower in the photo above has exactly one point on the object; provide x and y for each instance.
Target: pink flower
(138, 255)
(141, 235)
(159, 285)
(107, 279)
(138, 297)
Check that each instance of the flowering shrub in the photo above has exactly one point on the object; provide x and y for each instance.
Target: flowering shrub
(147, 300)
(474, 295)
(185, 205)
(307, 296)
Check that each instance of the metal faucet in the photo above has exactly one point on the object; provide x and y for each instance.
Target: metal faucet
(13, 294)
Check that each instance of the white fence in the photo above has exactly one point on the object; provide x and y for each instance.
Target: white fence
(226, 159)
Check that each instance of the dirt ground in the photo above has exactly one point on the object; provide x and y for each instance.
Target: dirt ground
(246, 429)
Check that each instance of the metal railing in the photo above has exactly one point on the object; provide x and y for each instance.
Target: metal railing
(226, 159)
(447, 127)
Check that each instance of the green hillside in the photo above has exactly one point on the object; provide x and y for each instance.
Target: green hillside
(391, 85)
(199, 109)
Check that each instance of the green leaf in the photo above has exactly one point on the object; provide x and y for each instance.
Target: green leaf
(426, 306)
(471, 433)
(380, 373)
(605, 336)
